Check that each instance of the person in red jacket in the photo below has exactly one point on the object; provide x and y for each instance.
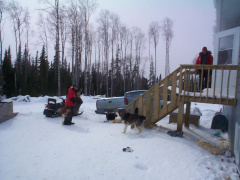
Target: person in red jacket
(71, 101)
(204, 58)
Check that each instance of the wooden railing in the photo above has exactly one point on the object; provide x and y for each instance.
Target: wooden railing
(184, 85)
(221, 86)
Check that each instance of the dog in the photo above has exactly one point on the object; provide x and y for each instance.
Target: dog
(130, 119)
(64, 112)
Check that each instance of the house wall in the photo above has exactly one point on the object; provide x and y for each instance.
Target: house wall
(227, 14)
(233, 113)
(228, 19)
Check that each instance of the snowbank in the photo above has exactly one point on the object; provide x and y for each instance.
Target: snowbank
(36, 147)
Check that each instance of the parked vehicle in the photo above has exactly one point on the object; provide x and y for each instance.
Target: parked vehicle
(53, 108)
(132, 95)
(110, 105)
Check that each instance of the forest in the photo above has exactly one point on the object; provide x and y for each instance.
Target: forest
(106, 57)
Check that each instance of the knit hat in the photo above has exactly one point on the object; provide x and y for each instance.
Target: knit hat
(204, 48)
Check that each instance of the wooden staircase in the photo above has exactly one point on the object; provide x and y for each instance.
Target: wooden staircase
(182, 87)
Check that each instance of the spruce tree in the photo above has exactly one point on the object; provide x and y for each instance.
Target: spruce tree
(151, 75)
(8, 74)
(18, 67)
(43, 71)
(93, 80)
(25, 72)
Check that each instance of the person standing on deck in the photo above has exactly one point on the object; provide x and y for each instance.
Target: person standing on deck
(204, 58)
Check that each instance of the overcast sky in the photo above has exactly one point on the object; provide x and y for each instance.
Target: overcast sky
(194, 21)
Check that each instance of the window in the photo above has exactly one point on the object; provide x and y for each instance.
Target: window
(225, 50)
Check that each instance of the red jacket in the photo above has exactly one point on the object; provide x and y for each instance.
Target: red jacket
(209, 58)
(71, 97)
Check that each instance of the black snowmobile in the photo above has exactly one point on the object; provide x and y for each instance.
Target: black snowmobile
(53, 108)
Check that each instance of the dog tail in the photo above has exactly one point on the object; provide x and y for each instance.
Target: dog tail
(63, 110)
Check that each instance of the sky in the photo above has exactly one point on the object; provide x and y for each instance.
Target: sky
(193, 27)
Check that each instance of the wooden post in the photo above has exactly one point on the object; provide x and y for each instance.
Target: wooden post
(180, 115)
(165, 95)
(174, 85)
(156, 103)
(149, 109)
(187, 115)
(140, 106)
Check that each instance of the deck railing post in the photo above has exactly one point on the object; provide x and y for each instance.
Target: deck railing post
(187, 115)
(157, 102)
(180, 83)
(180, 115)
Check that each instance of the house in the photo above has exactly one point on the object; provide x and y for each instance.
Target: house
(227, 52)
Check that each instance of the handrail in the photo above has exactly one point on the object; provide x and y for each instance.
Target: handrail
(185, 84)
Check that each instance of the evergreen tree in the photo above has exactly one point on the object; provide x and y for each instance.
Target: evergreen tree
(25, 72)
(8, 74)
(93, 80)
(66, 80)
(32, 83)
(43, 72)
(18, 67)
(52, 83)
(151, 81)
(118, 87)
(160, 77)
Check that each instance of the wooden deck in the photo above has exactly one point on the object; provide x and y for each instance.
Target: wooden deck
(183, 86)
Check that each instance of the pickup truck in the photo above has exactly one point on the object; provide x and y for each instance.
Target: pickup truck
(110, 105)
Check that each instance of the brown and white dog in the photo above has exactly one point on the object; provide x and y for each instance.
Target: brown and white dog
(130, 119)
(64, 112)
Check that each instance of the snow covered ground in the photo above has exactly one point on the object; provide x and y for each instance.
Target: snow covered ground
(35, 147)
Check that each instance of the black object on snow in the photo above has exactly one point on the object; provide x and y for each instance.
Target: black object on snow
(127, 149)
(175, 133)
(220, 121)
(111, 116)
(53, 108)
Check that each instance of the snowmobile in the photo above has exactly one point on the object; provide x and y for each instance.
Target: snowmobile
(53, 108)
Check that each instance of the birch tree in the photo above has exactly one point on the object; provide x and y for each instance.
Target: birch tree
(64, 30)
(53, 10)
(43, 31)
(139, 40)
(87, 8)
(124, 38)
(154, 32)
(167, 34)
(114, 26)
(104, 30)
(76, 27)
(18, 16)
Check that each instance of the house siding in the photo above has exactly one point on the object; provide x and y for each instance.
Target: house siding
(233, 115)
(227, 18)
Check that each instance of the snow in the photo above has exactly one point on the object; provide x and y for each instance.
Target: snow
(36, 147)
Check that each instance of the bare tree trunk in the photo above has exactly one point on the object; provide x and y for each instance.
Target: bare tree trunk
(167, 35)
(167, 68)
(73, 49)
(57, 47)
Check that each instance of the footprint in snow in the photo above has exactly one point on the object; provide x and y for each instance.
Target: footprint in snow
(141, 166)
